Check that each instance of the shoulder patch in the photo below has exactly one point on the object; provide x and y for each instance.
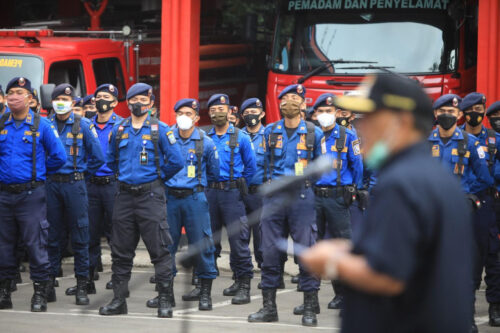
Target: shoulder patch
(355, 147)
(171, 137)
(481, 153)
(476, 143)
(94, 132)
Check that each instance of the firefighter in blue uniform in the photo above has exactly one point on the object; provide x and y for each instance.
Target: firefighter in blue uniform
(29, 149)
(237, 167)
(187, 204)
(143, 153)
(89, 108)
(474, 109)
(78, 106)
(252, 113)
(336, 191)
(101, 187)
(462, 154)
(67, 204)
(291, 144)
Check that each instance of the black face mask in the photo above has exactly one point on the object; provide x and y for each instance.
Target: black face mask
(342, 121)
(90, 114)
(103, 105)
(251, 119)
(495, 123)
(138, 109)
(315, 122)
(474, 118)
(446, 121)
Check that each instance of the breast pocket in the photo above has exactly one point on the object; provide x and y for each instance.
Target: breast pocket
(70, 149)
(260, 156)
(455, 158)
(228, 150)
(150, 149)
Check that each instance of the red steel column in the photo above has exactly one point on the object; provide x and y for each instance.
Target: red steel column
(488, 57)
(180, 54)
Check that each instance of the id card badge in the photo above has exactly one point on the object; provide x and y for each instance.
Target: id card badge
(299, 169)
(143, 155)
(191, 171)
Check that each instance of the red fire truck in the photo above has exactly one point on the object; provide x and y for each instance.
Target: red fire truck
(329, 45)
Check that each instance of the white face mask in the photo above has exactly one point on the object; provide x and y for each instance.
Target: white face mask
(184, 122)
(62, 107)
(326, 119)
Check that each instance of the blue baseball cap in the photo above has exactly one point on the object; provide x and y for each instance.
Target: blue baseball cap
(447, 100)
(472, 99)
(64, 89)
(296, 89)
(325, 99)
(218, 99)
(187, 102)
(140, 89)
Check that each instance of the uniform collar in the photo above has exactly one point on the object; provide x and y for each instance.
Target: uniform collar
(335, 132)
(457, 135)
(28, 120)
(301, 129)
(70, 120)
(261, 130)
(230, 130)
(147, 122)
(111, 120)
(194, 136)
(483, 132)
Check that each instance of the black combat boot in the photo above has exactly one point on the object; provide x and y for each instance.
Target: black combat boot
(39, 299)
(51, 291)
(494, 314)
(232, 289)
(281, 286)
(13, 286)
(164, 297)
(336, 302)
(310, 304)
(269, 312)
(194, 278)
(152, 279)
(109, 284)
(5, 301)
(299, 310)
(153, 303)
(71, 291)
(81, 297)
(118, 304)
(99, 266)
(243, 294)
(205, 303)
(193, 295)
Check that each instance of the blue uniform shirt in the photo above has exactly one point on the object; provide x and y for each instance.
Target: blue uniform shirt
(209, 165)
(288, 151)
(16, 151)
(475, 167)
(244, 157)
(133, 143)
(259, 148)
(90, 156)
(352, 164)
(103, 135)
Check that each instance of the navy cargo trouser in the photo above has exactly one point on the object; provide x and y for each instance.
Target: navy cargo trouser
(191, 212)
(25, 215)
(101, 201)
(488, 245)
(67, 209)
(227, 209)
(135, 215)
(299, 218)
(333, 217)
(253, 204)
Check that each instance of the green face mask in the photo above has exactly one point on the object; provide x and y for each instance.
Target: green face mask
(377, 155)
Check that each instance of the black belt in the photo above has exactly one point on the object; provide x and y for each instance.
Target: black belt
(140, 189)
(102, 180)
(182, 193)
(19, 188)
(223, 185)
(253, 189)
(329, 192)
(66, 178)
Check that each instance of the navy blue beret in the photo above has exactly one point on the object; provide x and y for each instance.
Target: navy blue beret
(218, 99)
(78, 101)
(234, 109)
(472, 99)
(253, 103)
(89, 99)
(325, 99)
(107, 87)
(20, 82)
(65, 89)
(188, 102)
(296, 89)
(493, 108)
(447, 100)
(140, 89)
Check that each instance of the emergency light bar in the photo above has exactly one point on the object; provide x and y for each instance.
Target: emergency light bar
(26, 33)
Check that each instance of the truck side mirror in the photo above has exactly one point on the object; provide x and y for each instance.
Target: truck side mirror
(46, 95)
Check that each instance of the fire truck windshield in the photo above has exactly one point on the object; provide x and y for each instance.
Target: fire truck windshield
(359, 42)
(12, 65)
